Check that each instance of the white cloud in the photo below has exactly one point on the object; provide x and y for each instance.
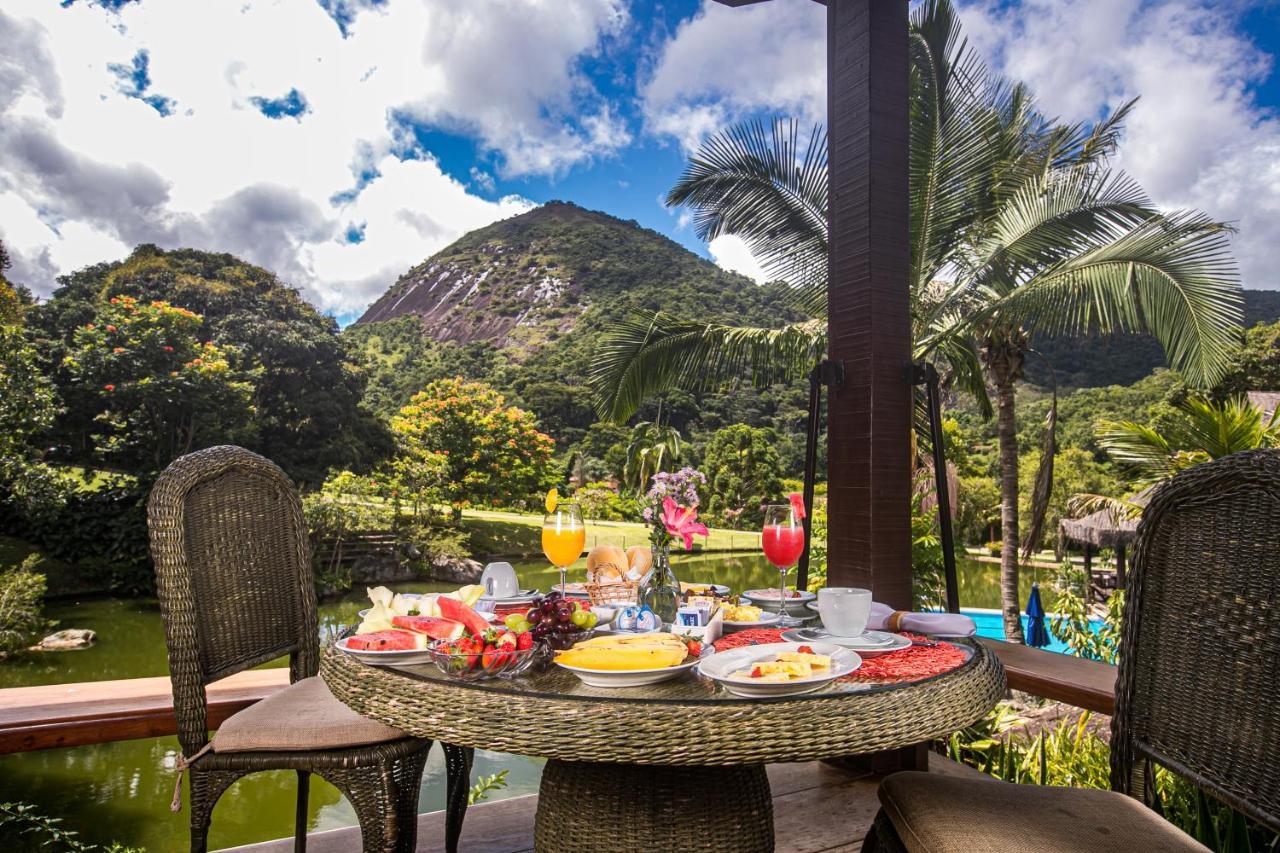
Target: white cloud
(731, 253)
(1196, 138)
(85, 168)
(724, 63)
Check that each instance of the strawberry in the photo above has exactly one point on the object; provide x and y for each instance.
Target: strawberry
(491, 657)
(756, 673)
(694, 647)
(805, 650)
(525, 641)
(506, 641)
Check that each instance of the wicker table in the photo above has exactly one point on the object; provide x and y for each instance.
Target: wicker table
(681, 763)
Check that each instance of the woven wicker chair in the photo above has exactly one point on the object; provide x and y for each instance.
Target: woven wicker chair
(234, 579)
(1198, 689)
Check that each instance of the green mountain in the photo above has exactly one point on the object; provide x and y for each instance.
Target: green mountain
(527, 281)
(522, 303)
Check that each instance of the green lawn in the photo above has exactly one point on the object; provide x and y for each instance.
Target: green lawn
(510, 533)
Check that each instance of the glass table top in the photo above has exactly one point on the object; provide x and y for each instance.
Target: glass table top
(688, 687)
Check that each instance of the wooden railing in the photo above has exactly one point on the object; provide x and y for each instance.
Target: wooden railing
(62, 715)
(58, 715)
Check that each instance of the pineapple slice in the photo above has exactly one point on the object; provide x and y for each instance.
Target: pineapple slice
(770, 677)
(790, 668)
(815, 661)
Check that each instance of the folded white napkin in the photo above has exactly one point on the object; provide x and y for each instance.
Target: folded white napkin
(885, 618)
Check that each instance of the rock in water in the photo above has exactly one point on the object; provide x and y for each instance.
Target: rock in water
(71, 638)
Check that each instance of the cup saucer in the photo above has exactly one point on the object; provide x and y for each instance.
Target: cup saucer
(874, 642)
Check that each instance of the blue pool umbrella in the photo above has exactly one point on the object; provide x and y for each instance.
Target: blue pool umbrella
(1037, 634)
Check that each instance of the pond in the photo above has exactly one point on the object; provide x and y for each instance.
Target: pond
(121, 791)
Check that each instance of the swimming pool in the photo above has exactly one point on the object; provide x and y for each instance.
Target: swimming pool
(991, 624)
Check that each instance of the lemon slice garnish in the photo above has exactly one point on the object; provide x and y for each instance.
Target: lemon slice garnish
(553, 498)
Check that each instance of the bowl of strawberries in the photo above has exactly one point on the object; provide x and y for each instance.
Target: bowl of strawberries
(493, 654)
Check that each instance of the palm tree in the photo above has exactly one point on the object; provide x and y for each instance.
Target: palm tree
(652, 445)
(1017, 228)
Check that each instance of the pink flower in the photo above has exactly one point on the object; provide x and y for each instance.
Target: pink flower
(682, 522)
(797, 504)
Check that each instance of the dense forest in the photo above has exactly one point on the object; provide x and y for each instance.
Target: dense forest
(131, 363)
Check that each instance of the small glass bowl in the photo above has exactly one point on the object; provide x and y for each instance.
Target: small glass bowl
(470, 667)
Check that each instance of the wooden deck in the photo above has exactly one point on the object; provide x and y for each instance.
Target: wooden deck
(816, 809)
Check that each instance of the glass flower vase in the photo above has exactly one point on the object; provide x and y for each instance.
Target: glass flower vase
(660, 590)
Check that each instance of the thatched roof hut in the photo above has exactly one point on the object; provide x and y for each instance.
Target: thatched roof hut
(1102, 529)
(1268, 401)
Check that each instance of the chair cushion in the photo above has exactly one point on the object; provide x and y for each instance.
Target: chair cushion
(303, 716)
(943, 814)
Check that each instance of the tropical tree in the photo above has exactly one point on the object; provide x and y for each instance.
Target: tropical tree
(743, 473)
(487, 452)
(154, 388)
(1018, 227)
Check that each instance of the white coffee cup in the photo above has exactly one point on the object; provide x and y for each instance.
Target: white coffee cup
(499, 581)
(844, 610)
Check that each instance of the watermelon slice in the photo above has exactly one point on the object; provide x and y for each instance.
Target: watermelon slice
(388, 641)
(433, 626)
(451, 608)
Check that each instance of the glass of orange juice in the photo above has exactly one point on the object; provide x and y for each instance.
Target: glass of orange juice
(563, 536)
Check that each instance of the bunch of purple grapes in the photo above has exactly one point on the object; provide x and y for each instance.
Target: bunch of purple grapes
(552, 621)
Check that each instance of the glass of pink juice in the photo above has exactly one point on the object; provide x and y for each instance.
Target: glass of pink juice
(782, 539)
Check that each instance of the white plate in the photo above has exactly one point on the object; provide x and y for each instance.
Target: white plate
(870, 644)
(612, 678)
(391, 658)
(721, 666)
(524, 598)
(610, 629)
(765, 620)
(797, 606)
(717, 588)
(576, 590)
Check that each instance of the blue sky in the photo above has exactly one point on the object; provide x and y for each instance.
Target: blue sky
(378, 131)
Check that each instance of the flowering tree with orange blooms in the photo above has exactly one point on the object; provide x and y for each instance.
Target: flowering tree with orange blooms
(158, 390)
(493, 454)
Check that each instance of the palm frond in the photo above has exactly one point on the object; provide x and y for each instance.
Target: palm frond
(950, 127)
(642, 358)
(1172, 275)
(1121, 509)
(768, 185)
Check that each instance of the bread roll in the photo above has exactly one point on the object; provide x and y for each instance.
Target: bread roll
(639, 561)
(606, 564)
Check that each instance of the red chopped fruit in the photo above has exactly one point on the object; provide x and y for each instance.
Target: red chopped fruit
(458, 611)
(387, 641)
(433, 626)
(756, 673)
(805, 650)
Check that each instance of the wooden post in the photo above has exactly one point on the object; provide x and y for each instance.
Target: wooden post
(869, 417)
(1120, 566)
